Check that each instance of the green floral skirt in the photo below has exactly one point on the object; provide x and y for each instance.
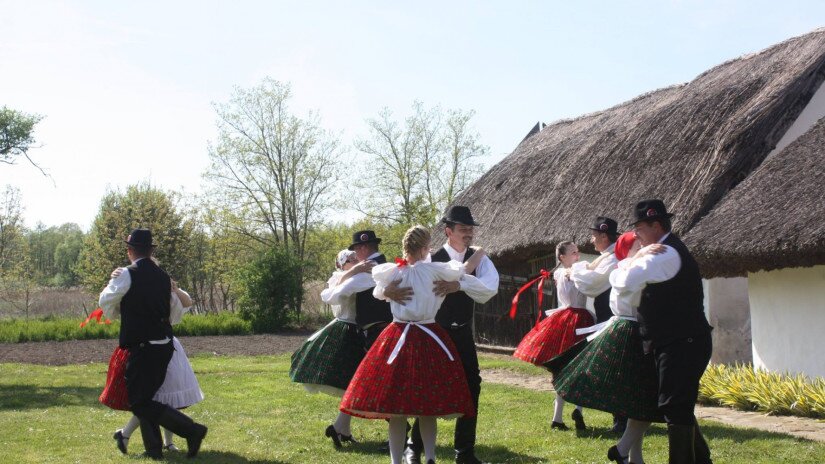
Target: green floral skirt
(611, 373)
(327, 361)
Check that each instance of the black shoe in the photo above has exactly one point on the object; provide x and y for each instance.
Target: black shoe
(170, 447)
(155, 456)
(122, 442)
(331, 433)
(412, 456)
(193, 443)
(347, 439)
(467, 459)
(578, 418)
(559, 425)
(614, 455)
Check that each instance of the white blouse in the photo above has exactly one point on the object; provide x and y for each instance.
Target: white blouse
(566, 291)
(341, 295)
(424, 304)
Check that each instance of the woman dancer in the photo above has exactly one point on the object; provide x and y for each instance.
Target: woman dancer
(180, 388)
(612, 373)
(557, 332)
(328, 359)
(413, 368)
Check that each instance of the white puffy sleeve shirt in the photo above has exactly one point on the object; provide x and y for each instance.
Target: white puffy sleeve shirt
(484, 284)
(566, 291)
(341, 295)
(594, 282)
(420, 276)
(650, 268)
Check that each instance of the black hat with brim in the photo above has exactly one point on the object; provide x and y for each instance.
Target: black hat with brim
(648, 210)
(605, 225)
(459, 215)
(141, 238)
(364, 236)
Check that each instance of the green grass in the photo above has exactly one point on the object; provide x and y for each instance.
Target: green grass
(67, 328)
(256, 415)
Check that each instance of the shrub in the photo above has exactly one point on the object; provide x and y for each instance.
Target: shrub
(269, 290)
(742, 387)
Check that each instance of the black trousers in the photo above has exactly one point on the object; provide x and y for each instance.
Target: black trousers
(372, 332)
(145, 373)
(681, 365)
(464, 440)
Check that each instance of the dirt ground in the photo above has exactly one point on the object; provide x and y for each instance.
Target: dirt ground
(88, 351)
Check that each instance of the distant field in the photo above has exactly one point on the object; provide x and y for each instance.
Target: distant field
(52, 302)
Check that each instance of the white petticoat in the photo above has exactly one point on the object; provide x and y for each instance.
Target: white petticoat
(180, 388)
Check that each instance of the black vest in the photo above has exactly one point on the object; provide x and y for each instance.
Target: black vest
(602, 306)
(674, 309)
(457, 306)
(368, 309)
(144, 309)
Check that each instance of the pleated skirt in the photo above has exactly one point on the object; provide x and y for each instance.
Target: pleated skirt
(553, 335)
(327, 361)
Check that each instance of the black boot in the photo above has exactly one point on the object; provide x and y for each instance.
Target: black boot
(578, 418)
(680, 440)
(180, 424)
(152, 442)
(619, 424)
(700, 446)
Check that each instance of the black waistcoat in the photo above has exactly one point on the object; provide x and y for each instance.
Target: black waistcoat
(602, 306)
(144, 309)
(674, 309)
(457, 306)
(368, 309)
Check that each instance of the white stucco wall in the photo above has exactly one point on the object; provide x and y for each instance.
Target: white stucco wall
(788, 320)
(813, 112)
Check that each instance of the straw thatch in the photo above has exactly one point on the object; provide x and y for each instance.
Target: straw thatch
(774, 219)
(688, 144)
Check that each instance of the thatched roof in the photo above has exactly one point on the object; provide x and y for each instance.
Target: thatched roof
(688, 144)
(774, 219)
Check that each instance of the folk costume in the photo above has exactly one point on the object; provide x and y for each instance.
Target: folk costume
(674, 327)
(592, 279)
(143, 296)
(611, 372)
(456, 317)
(413, 368)
(372, 315)
(557, 332)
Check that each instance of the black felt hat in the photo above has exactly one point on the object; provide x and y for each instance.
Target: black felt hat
(459, 215)
(650, 209)
(364, 236)
(141, 238)
(606, 225)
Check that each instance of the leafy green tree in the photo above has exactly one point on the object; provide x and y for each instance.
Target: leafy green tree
(415, 167)
(269, 289)
(139, 205)
(17, 273)
(17, 135)
(54, 252)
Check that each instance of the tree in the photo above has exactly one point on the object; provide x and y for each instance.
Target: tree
(17, 135)
(17, 274)
(269, 289)
(276, 170)
(140, 205)
(416, 168)
(54, 252)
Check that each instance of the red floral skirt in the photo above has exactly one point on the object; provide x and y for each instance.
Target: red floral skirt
(553, 335)
(420, 381)
(114, 393)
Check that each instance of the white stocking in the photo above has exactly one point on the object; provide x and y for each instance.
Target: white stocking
(168, 437)
(632, 437)
(398, 438)
(558, 410)
(130, 427)
(342, 424)
(429, 431)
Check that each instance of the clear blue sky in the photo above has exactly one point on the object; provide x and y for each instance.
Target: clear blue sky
(126, 87)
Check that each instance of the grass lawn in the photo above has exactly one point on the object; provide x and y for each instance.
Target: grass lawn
(256, 415)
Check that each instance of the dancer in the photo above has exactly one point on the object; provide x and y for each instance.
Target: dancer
(456, 317)
(557, 332)
(142, 296)
(180, 388)
(612, 373)
(328, 359)
(413, 368)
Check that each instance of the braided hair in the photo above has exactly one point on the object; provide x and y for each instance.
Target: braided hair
(416, 238)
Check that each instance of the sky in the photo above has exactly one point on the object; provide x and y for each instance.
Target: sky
(126, 88)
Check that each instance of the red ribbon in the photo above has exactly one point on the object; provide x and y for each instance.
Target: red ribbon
(96, 315)
(543, 275)
(401, 262)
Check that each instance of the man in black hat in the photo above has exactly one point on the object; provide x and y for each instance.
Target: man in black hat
(142, 295)
(371, 314)
(673, 325)
(593, 279)
(456, 316)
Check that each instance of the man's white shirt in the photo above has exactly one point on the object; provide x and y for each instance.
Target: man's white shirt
(482, 286)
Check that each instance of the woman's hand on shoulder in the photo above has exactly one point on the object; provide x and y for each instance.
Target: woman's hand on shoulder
(363, 266)
(478, 250)
(116, 273)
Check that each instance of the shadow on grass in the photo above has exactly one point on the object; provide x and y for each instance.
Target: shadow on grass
(27, 396)
(486, 452)
(207, 457)
(709, 430)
